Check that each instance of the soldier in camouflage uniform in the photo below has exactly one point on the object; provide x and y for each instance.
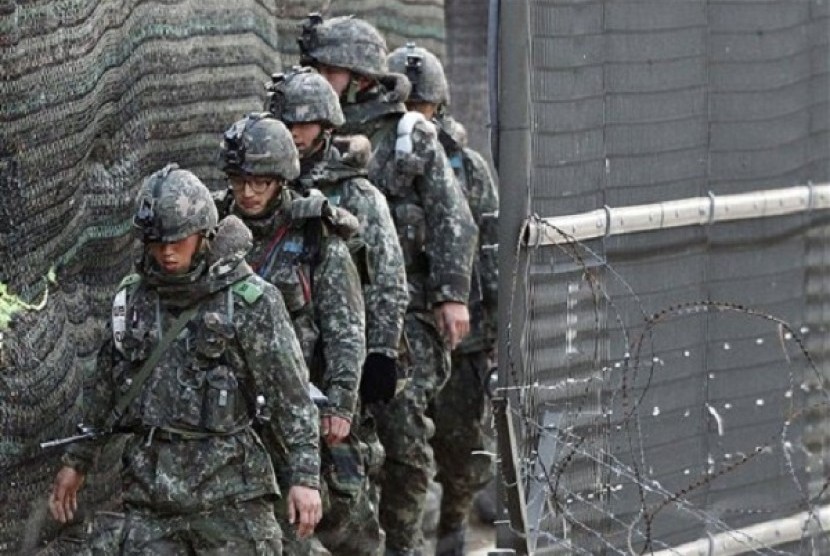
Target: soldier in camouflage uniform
(308, 105)
(459, 410)
(298, 247)
(200, 345)
(437, 236)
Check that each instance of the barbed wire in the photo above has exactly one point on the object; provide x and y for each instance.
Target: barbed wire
(627, 383)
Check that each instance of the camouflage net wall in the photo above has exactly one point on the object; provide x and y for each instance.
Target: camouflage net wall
(94, 95)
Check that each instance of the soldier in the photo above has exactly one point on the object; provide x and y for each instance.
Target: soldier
(437, 236)
(199, 344)
(459, 442)
(308, 105)
(297, 247)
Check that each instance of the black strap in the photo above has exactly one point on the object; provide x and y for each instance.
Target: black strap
(151, 362)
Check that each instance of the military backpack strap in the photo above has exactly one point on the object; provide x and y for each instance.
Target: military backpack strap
(119, 308)
(381, 130)
(139, 379)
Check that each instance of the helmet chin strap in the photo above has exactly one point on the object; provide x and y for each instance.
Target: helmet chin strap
(349, 96)
(321, 142)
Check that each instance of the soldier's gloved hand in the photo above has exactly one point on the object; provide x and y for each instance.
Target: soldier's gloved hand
(63, 503)
(379, 378)
(305, 509)
(453, 320)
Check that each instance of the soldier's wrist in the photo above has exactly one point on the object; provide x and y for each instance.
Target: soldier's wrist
(452, 287)
(76, 462)
(337, 412)
(342, 402)
(308, 481)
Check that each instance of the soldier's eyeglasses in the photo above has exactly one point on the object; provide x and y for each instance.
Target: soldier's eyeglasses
(257, 185)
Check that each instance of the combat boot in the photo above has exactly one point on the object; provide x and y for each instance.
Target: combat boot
(452, 543)
(484, 504)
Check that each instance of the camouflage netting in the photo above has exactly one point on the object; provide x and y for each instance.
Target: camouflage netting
(93, 96)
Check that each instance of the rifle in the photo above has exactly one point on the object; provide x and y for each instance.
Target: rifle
(85, 432)
(263, 416)
(317, 396)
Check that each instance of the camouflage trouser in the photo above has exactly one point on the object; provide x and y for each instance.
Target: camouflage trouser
(243, 528)
(405, 430)
(459, 438)
(350, 521)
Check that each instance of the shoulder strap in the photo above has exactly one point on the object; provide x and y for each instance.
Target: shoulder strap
(143, 374)
(313, 234)
(126, 289)
(129, 280)
(386, 127)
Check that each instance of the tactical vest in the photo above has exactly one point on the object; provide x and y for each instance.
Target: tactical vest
(197, 389)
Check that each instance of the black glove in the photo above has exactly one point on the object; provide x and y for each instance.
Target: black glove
(379, 378)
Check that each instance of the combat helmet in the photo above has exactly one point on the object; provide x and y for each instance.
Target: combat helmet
(424, 71)
(259, 145)
(303, 95)
(344, 42)
(172, 205)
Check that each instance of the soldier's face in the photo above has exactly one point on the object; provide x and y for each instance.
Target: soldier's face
(426, 108)
(305, 137)
(175, 257)
(252, 194)
(338, 78)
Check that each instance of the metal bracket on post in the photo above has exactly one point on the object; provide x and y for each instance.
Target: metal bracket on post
(711, 196)
(509, 465)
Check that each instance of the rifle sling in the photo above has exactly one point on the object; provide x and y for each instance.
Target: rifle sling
(144, 373)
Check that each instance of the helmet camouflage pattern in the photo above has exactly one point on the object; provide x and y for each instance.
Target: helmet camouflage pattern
(344, 42)
(303, 95)
(424, 71)
(172, 205)
(260, 145)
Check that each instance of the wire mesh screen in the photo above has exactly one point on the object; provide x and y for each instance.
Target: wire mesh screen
(668, 388)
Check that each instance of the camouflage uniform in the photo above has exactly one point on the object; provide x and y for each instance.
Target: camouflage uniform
(437, 236)
(196, 477)
(302, 96)
(459, 409)
(460, 441)
(307, 97)
(297, 248)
